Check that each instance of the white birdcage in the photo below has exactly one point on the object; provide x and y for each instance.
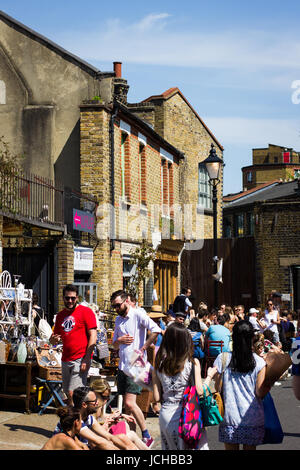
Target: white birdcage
(14, 301)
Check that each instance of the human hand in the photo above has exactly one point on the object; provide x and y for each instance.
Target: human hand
(125, 339)
(211, 372)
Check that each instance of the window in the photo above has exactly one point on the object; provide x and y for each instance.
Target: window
(2, 92)
(142, 175)
(227, 227)
(128, 270)
(125, 166)
(204, 188)
(250, 223)
(249, 177)
(239, 225)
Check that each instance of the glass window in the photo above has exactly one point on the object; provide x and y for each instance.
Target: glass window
(249, 177)
(239, 225)
(204, 188)
(123, 141)
(250, 223)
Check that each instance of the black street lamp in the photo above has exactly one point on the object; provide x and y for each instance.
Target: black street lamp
(213, 166)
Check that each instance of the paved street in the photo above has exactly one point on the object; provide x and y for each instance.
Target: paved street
(19, 431)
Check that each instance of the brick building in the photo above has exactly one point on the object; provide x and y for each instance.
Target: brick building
(271, 163)
(270, 214)
(129, 171)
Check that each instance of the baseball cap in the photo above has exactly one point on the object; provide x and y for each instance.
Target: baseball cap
(253, 310)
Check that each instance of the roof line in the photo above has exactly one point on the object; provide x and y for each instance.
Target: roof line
(249, 191)
(150, 130)
(171, 91)
(51, 45)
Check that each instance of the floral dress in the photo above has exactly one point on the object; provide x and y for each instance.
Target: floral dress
(244, 414)
(172, 394)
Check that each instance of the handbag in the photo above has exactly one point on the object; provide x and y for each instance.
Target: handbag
(118, 428)
(190, 422)
(273, 429)
(210, 411)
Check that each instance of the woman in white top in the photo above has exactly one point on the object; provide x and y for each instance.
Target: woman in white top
(243, 388)
(272, 319)
(173, 366)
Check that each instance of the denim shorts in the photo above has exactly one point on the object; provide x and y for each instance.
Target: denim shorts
(72, 376)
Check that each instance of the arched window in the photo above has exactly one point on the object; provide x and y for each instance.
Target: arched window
(2, 92)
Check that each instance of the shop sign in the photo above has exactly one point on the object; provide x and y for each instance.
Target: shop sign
(83, 259)
(83, 221)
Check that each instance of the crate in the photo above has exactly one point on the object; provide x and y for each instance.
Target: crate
(48, 372)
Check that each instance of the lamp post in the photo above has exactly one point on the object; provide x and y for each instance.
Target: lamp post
(213, 166)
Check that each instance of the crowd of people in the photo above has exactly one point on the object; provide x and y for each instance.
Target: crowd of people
(180, 339)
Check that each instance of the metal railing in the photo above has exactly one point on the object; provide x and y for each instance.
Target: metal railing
(32, 199)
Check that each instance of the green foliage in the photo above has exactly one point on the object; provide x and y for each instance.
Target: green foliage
(141, 258)
(9, 170)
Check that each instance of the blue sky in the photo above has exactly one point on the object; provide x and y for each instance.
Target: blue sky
(236, 62)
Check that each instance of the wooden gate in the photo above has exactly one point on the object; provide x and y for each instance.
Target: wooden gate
(239, 274)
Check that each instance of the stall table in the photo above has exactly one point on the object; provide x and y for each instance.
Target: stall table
(16, 381)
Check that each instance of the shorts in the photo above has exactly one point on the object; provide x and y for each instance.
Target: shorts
(126, 385)
(72, 376)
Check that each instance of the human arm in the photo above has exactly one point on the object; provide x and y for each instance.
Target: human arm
(157, 389)
(151, 339)
(296, 386)
(116, 440)
(96, 440)
(86, 360)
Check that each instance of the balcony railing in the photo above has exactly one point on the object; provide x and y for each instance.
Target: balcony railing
(32, 199)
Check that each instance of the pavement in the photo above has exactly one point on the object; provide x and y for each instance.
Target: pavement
(21, 431)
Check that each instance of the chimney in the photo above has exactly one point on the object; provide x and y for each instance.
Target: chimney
(118, 69)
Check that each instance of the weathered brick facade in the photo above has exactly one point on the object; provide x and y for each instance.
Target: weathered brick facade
(272, 216)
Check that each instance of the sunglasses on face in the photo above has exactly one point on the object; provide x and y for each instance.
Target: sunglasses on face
(115, 306)
(67, 297)
(105, 397)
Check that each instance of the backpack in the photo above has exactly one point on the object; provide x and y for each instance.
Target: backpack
(190, 422)
(179, 304)
(198, 353)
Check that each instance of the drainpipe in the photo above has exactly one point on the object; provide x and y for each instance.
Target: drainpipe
(112, 162)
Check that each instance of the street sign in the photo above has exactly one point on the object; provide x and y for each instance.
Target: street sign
(83, 221)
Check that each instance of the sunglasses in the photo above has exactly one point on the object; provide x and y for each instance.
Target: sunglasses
(105, 397)
(91, 401)
(270, 305)
(117, 305)
(67, 297)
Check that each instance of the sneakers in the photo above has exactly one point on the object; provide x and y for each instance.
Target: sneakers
(148, 441)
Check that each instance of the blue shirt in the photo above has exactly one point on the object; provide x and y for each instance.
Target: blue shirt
(218, 333)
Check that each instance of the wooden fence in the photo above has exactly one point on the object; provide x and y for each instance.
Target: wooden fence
(239, 277)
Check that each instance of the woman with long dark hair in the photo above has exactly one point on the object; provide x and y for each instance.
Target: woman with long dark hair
(172, 369)
(243, 389)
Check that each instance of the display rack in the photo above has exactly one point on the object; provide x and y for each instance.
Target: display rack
(14, 303)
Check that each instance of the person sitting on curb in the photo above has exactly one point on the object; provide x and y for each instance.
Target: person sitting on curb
(92, 433)
(67, 439)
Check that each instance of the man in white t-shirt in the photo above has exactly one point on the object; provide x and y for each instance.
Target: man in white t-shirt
(272, 319)
(130, 334)
(254, 321)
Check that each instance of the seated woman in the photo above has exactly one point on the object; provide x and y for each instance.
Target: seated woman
(115, 423)
(70, 423)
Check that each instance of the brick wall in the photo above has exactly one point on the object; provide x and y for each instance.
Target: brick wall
(277, 239)
(178, 123)
(65, 262)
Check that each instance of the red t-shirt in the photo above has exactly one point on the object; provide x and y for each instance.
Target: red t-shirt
(73, 328)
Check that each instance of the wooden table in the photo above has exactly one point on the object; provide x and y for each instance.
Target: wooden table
(16, 381)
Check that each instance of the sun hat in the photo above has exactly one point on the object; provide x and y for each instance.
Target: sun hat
(156, 312)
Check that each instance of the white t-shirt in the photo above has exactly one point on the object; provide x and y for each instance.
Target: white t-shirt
(136, 323)
(271, 316)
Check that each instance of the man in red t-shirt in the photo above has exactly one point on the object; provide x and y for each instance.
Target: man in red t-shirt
(76, 328)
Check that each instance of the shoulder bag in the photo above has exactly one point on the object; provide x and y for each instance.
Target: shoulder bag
(210, 412)
(190, 422)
